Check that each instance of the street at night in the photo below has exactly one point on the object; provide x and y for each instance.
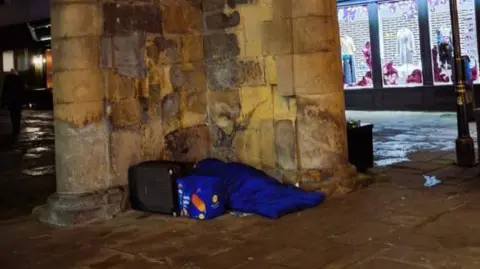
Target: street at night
(220, 134)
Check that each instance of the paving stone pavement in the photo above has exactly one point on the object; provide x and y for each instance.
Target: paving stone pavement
(394, 223)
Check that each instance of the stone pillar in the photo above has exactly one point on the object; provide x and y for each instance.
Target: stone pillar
(81, 134)
(318, 86)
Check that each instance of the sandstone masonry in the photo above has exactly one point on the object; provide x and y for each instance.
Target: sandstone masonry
(255, 81)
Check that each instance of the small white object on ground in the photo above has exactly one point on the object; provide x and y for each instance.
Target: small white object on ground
(239, 214)
(431, 181)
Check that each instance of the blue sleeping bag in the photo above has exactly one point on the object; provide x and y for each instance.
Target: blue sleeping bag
(249, 190)
(201, 197)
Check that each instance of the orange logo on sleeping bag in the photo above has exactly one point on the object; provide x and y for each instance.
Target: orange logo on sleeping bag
(198, 203)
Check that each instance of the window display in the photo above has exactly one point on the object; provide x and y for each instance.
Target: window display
(356, 51)
(441, 39)
(399, 43)
(348, 50)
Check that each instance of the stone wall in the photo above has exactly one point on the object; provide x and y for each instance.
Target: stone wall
(255, 81)
(154, 76)
(185, 81)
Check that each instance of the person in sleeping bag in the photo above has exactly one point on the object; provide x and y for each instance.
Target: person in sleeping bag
(250, 190)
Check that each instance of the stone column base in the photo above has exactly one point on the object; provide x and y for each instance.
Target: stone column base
(70, 210)
(341, 181)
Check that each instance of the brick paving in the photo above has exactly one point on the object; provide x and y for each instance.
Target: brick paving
(394, 223)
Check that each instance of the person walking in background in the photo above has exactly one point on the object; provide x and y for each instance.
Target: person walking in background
(12, 98)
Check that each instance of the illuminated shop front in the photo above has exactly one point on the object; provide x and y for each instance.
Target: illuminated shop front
(26, 48)
(398, 54)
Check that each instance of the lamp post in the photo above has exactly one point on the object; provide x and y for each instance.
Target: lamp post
(465, 148)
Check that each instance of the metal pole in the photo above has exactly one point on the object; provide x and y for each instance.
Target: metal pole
(465, 147)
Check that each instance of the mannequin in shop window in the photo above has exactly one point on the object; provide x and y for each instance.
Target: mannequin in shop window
(348, 51)
(405, 46)
(445, 48)
(405, 52)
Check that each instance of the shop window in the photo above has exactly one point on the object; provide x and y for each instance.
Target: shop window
(23, 60)
(8, 61)
(400, 43)
(356, 50)
(441, 39)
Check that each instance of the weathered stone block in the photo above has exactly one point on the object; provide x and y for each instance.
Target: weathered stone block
(129, 54)
(154, 73)
(317, 73)
(321, 130)
(192, 48)
(278, 37)
(80, 114)
(252, 72)
(171, 112)
(119, 87)
(223, 74)
(267, 144)
(221, 45)
(67, 23)
(227, 74)
(152, 109)
(77, 86)
(282, 9)
(132, 71)
(225, 154)
(126, 113)
(284, 67)
(257, 104)
(80, 158)
(171, 125)
(127, 49)
(193, 108)
(106, 52)
(285, 108)
(171, 106)
(248, 147)
(224, 111)
(125, 18)
(270, 70)
(315, 34)
(242, 44)
(165, 83)
(302, 8)
(285, 145)
(252, 18)
(220, 20)
(154, 92)
(189, 77)
(188, 144)
(125, 151)
(211, 5)
(153, 141)
(142, 87)
(76, 53)
(161, 50)
(181, 17)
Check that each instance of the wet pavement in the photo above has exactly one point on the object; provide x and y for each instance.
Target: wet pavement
(27, 173)
(395, 223)
(396, 134)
